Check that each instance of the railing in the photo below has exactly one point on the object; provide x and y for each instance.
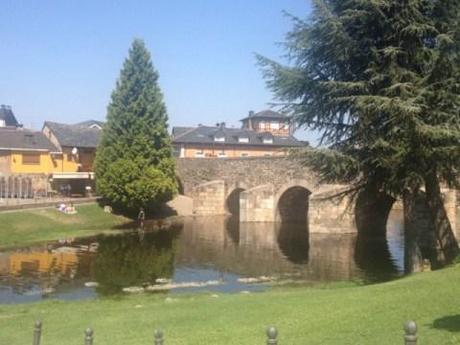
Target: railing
(410, 335)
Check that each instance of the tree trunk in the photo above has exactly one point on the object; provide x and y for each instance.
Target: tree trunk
(371, 211)
(413, 260)
(446, 243)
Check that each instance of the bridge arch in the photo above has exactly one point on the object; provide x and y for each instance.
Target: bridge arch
(292, 201)
(232, 199)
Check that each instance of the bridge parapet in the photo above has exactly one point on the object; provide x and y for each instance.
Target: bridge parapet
(246, 171)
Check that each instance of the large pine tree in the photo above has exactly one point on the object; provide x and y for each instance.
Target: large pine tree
(134, 165)
(380, 80)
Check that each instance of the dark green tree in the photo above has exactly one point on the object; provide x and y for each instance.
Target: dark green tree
(380, 80)
(134, 165)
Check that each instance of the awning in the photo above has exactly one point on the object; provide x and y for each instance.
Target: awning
(73, 175)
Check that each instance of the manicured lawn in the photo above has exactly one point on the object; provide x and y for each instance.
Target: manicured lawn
(25, 227)
(371, 314)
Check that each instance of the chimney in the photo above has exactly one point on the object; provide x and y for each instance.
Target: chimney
(251, 113)
(222, 125)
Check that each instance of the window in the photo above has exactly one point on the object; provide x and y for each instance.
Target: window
(219, 138)
(262, 125)
(275, 125)
(268, 140)
(2, 123)
(30, 159)
(199, 154)
(243, 139)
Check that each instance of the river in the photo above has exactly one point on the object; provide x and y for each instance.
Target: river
(216, 254)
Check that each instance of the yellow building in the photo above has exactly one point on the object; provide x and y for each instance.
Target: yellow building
(61, 154)
(77, 150)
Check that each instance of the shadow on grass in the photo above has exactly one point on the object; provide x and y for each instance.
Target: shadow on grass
(449, 323)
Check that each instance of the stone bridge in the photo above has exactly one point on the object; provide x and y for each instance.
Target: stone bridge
(271, 189)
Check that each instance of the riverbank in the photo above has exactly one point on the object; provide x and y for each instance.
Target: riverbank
(30, 226)
(371, 314)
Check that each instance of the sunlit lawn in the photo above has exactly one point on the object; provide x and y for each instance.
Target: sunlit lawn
(371, 314)
(24, 227)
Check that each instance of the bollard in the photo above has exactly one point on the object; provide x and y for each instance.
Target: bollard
(158, 337)
(37, 333)
(272, 335)
(410, 336)
(89, 336)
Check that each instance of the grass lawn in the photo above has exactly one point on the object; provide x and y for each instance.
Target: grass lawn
(25, 227)
(371, 314)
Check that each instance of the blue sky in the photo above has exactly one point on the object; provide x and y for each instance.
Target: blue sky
(60, 59)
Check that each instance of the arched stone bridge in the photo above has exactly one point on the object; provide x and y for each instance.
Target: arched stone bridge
(270, 189)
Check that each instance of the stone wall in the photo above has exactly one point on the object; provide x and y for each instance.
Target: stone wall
(256, 204)
(209, 198)
(244, 172)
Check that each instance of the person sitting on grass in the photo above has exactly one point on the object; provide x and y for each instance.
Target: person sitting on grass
(70, 209)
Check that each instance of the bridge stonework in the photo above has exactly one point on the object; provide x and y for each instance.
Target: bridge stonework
(269, 189)
(272, 189)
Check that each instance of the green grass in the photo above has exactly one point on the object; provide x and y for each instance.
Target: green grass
(372, 314)
(25, 227)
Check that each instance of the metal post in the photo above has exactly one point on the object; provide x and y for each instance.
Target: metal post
(89, 336)
(410, 336)
(37, 333)
(158, 337)
(272, 336)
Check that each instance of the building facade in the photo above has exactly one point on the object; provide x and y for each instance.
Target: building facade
(40, 163)
(266, 133)
(76, 146)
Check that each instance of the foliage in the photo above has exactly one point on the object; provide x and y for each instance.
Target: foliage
(134, 164)
(380, 81)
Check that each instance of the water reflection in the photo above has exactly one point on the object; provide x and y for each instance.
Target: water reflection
(200, 249)
(123, 261)
(381, 258)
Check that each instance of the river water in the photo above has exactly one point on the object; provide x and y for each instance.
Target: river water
(214, 254)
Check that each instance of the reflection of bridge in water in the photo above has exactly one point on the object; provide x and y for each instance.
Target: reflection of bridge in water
(284, 250)
(282, 190)
(211, 246)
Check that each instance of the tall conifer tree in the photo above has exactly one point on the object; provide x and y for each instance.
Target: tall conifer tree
(381, 81)
(134, 165)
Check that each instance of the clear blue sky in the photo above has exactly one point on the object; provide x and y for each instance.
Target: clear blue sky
(60, 59)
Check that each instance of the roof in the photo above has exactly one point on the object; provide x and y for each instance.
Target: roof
(77, 135)
(6, 114)
(176, 131)
(91, 123)
(206, 134)
(23, 139)
(265, 114)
